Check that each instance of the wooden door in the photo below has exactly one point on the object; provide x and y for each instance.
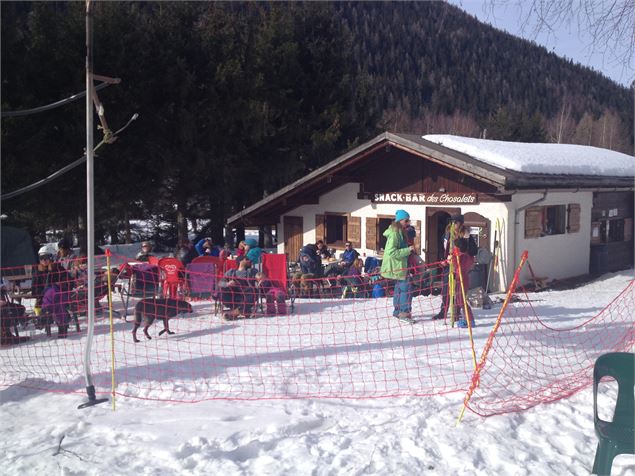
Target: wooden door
(436, 221)
(293, 237)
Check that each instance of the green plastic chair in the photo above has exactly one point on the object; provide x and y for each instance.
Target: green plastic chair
(616, 437)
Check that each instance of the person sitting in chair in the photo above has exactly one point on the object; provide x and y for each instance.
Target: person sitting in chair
(238, 291)
(185, 252)
(45, 274)
(145, 253)
(206, 247)
(310, 268)
(253, 251)
(353, 278)
(349, 256)
(323, 250)
(66, 257)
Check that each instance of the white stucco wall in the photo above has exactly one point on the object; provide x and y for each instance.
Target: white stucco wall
(344, 200)
(554, 256)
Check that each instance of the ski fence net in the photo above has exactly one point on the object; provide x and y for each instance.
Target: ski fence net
(216, 330)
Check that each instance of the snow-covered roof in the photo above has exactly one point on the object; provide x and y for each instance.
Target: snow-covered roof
(568, 159)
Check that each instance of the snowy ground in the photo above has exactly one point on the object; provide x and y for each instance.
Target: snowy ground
(44, 433)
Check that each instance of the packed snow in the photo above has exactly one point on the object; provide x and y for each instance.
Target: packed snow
(44, 433)
(568, 159)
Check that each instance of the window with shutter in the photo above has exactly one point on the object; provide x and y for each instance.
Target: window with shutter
(573, 222)
(354, 231)
(335, 228)
(533, 222)
(371, 233)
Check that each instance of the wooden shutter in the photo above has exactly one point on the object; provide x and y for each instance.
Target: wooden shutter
(595, 233)
(371, 234)
(628, 229)
(573, 222)
(418, 237)
(533, 222)
(354, 231)
(320, 228)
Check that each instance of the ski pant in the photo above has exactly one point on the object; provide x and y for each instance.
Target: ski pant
(236, 298)
(402, 297)
(275, 302)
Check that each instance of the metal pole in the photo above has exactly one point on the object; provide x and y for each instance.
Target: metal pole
(90, 209)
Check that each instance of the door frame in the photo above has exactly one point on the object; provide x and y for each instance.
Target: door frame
(432, 245)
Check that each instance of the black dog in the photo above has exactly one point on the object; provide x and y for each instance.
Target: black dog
(148, 310)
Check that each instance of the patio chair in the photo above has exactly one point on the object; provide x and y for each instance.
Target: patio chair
(275, 268)
(138, 281)
(617, 436)
(172, 277)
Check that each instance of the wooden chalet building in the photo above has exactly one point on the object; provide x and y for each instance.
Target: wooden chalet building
(575, 216)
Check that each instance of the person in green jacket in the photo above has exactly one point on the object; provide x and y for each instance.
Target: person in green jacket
(395, 263)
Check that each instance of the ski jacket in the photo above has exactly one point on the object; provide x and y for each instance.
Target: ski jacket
(254, 255)
(213, 251)
(349, 256)
(396, 252)
(310, 261)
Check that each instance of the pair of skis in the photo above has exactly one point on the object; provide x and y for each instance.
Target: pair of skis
(498, 231)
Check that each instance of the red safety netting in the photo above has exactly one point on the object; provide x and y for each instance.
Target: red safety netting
(232, 335)
(533, 360)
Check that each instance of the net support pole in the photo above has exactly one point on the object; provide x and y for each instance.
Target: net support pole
(465, 306)
(112, 333)
(476, 376)
(90, 210)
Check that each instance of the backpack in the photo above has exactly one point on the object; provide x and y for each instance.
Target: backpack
(371, 264)
(309, 262)
(378, 291)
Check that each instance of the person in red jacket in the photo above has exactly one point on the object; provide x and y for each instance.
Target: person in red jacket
(462, 271)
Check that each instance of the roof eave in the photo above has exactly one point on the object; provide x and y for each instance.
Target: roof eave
(307, 178)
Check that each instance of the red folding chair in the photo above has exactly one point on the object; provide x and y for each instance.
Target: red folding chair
(229, 264)
(172, 277)
(275, 268)
(208, 259)
(219, 264)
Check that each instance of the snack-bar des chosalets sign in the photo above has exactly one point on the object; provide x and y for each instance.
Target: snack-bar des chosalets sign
(426, 198)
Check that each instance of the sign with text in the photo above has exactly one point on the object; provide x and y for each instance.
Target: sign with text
(436, 198)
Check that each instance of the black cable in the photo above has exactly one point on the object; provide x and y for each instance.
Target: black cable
(39, 183)
(64, 169)
(61, 102)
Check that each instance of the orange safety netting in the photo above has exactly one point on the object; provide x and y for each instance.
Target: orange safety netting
(218, 332)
